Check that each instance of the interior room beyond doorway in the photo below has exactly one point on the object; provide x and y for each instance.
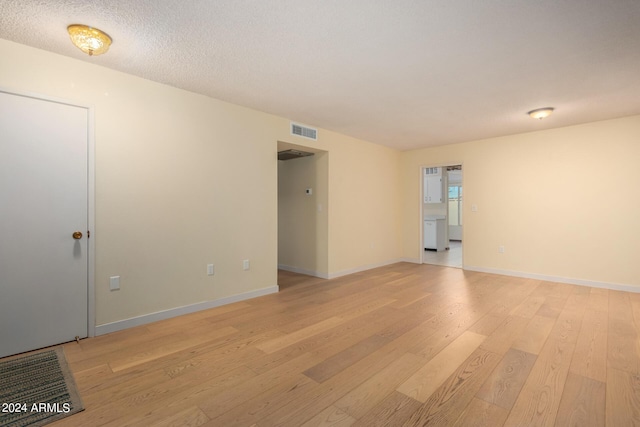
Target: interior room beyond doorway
(442, 215)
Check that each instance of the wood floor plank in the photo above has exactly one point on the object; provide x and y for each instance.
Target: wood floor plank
(623, 398)
(294, 337)
(551, 307)
(235, 350)
(188, 417)
(90, 358)
(539, 400)
(327, 393)
(419, 295)
(598, 299)
(331, 308)
(252, 410)
(513, 294)
(370, 393)
(157, 352)
(406, 323)
(446, 332)
(622, 339)
(332, 341)
(481, 414)
(503, 386)
(583, 402)
(487, 324)
(567, 326)
(127, 402)
(239, 345)
(529, 307)
(590, 356)
(196, 318)
(366, 308)
(421, 385)
(331, 416)
(503, 337)
(127, 386)
(535, 334)
(336, 363)
(233, 396)
(551, 289)
(391, 412)
(175, 398)
(452, 397)
(92, 376)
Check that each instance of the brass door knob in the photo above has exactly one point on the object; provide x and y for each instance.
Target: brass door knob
(77, 235)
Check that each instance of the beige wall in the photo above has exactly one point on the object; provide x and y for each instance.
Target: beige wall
(364, 205)
(302, 218)
(563, 202)
(183, 180)
(364, 223)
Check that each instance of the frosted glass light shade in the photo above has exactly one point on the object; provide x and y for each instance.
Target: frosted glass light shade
(541, 113)
(89, 40)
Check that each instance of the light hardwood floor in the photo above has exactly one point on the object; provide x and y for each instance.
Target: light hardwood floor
(400, 345)
(450, 258)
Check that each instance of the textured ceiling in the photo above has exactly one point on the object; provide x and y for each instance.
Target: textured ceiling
(403, 73)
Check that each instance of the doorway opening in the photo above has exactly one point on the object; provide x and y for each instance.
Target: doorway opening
(302, 213)
(441, 215)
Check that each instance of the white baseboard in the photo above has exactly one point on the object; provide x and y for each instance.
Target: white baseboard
(345, 272)
(179, 311)
(411, 260)
(580, 282)
(302, 271)
(364, 268)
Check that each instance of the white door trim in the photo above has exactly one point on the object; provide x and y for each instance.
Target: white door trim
(91, 322)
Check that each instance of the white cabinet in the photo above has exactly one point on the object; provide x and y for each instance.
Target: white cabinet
(434, 233)
(433, 185)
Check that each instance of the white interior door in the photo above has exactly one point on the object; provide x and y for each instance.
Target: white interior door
(43, 201)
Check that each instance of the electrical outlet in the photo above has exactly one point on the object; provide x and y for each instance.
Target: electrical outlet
(210, 270)
(245, 264)
(474, 208)
(500, 249)
(114, 283)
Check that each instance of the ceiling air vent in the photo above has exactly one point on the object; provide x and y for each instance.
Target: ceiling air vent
(304, 131)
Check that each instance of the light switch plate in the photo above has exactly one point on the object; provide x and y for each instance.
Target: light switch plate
(114, 283)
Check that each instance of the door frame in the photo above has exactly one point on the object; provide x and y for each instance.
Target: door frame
(443, 165)
(91, 259)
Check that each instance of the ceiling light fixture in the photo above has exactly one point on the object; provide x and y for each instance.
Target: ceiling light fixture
(90, 40)
(541, 113)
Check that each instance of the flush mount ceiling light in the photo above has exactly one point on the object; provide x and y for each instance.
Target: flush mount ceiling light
(90, 40)
(541, 113)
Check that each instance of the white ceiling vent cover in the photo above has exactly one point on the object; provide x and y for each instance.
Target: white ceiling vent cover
(304, 131)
